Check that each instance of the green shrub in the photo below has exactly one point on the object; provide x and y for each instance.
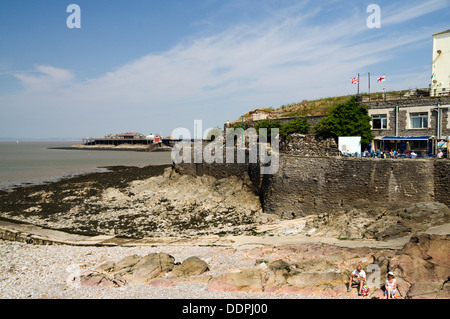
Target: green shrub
(299, 125)
(346, 119)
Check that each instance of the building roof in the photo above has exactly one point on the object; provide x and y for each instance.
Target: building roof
(404, 138)
(447, 31)
(258, 111)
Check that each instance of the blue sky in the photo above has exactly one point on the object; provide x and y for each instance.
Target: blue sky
(152, 66)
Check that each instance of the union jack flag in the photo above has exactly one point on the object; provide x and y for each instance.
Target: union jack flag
(355, 80)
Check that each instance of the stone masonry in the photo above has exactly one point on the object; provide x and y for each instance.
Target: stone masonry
(304, 186)
(312, 185)
(405, 108)
(309, 145)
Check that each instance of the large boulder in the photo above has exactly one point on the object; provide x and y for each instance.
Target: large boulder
(244, 280)
(157, 269)
(149, 267)
(380, 223)
(193, 266)
(424, 263)
(298, 280)
(280, 277)
(424, 290)
(133, 269)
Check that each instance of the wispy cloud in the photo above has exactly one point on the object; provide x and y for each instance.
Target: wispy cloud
(395, 14)
(280, 55)
(44, 78)
(282, 59)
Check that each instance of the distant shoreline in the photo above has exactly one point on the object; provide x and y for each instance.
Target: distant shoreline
(115, 148)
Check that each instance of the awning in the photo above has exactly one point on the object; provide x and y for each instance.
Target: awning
(406, 138)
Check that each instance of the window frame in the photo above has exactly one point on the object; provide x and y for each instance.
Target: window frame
(383, 121)
(421, 116)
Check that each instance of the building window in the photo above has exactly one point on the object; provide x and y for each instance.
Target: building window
(379, 122)
(419, 120)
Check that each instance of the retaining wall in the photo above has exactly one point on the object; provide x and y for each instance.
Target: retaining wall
(303, 186)
(309, 185)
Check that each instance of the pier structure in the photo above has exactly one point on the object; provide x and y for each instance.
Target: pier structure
(91, 141)
(125, 139)
(132, 139)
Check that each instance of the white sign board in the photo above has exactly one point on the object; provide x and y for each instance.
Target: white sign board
(349, 144)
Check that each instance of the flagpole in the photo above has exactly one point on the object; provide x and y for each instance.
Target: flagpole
(369, 86)
(358, 85)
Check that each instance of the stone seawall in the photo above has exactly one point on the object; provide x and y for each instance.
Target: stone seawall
(244, 171)
(313, 185)
(304, 186)
(442, 181)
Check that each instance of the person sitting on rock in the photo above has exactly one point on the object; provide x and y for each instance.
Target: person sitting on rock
(390, 286)
(358, 276)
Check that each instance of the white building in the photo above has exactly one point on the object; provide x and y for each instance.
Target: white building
(440, 81)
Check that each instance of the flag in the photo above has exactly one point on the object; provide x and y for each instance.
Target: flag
(433, 75)
(381, 78)
(355, 80)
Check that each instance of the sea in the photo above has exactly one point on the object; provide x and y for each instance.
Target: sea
(29, 162)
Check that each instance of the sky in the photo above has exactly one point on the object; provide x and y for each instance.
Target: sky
(153, 66)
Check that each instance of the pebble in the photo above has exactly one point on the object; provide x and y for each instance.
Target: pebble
(41, 272)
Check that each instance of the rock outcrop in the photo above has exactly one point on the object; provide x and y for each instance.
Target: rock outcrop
(193, 266)
(380, 224)
(307, 269)
(160, 206)
(421, 268)
(151, 269)
(424, 266)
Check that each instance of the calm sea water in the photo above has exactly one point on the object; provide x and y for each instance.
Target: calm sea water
(33, 162)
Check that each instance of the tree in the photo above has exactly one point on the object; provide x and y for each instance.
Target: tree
(213, 133)
(346, 119)
(299, 125)
(269, 125)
